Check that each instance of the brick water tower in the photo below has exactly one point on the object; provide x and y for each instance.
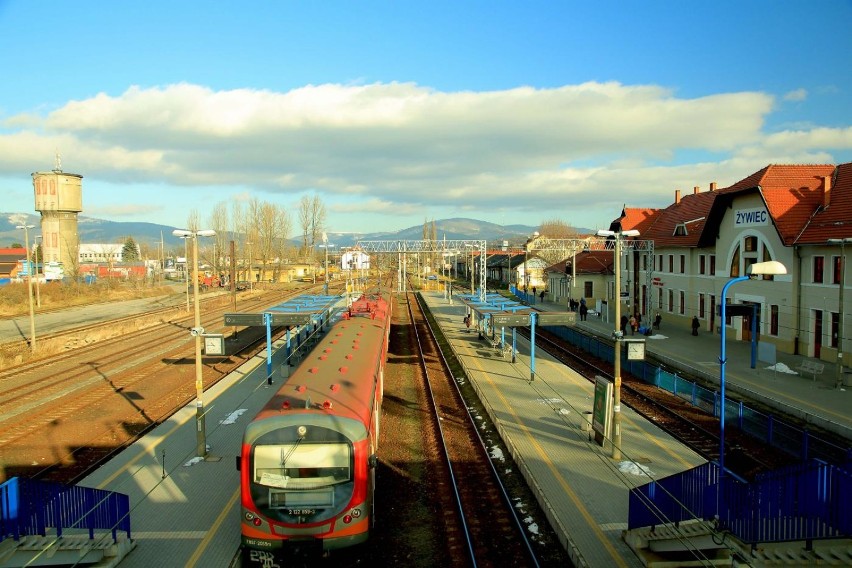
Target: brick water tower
(59, 198)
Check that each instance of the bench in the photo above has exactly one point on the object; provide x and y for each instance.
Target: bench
(499, 346)
(811, 367)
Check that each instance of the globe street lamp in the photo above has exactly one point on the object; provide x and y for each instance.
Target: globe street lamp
(197, 332)
(771, 267)
(26, 229)
(838, 381)
(617, 336)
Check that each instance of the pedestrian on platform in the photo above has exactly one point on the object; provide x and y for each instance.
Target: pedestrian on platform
(623, 323)
(467, 323)
(541, 295)
(657, 320)
(633, 325)
(583, 312)
(695, 325)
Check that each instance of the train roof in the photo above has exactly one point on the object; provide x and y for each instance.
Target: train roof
(338, 377)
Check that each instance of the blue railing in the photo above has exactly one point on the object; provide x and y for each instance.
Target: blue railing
(807, 501)
(29, 507)
(794, 441)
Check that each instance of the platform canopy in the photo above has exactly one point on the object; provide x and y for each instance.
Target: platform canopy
(300, 310)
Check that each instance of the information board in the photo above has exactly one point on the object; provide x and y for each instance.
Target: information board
(602, 411)
(510, 320)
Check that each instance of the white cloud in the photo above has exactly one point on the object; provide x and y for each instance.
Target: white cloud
(796, 96)
(401, 148)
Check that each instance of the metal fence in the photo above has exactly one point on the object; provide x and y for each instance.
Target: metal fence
(29, 507)
(767, 428)
(808, 501)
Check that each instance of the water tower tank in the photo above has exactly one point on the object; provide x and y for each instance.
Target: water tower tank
(59, 198)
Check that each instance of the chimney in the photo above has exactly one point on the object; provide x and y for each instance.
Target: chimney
(677, 196)
(712, 186)
(695, 190)
(826, 191)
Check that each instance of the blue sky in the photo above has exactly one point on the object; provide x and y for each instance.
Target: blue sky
(394, 113)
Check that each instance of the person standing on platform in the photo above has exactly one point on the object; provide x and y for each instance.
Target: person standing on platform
(695, 325)
(657, 320)
(583, 312)
(541, 295)
(623, 323)
(633, 325)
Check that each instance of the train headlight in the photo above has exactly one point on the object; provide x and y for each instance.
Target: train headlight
(302, 430)
(356, 513)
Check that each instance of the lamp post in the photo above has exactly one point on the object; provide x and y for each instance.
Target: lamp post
(186, 270)
(325, 245)
(197, 332)
(617, 336)
(39, 256)
(249, 275)
(26, 229)
(757, 269)
(838, 381)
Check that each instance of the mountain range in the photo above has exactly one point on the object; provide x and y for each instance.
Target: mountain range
(93, 230)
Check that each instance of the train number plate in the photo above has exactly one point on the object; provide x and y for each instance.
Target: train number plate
(301, 512)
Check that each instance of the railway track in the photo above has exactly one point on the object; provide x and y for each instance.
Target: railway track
(482, 526)
(62, 416)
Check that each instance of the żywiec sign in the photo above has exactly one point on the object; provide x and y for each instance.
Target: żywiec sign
(751, 217)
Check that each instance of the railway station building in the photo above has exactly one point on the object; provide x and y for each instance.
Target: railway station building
(799, 215)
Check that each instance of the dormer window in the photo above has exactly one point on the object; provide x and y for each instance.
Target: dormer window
(680, 230)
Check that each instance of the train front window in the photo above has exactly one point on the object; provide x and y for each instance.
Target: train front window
(301, 465)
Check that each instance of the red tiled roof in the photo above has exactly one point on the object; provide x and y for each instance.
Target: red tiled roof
(793, 195)
(588, 262)
(834, 221)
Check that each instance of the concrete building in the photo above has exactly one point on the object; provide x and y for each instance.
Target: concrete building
(59, 198)
(790, 213)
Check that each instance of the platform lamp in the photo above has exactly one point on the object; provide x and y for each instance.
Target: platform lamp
(771, 267)
(197, 332)
(26, 229)
(617, 237)
(838, 381)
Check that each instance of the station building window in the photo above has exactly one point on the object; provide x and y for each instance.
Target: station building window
(683, 264)
(835, 265)
(682, 302)
(588, 289)
(671, 301)
(819, 268)
(773, 319)
(702, 264)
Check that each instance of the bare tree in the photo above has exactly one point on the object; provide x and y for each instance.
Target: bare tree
(219, 223)
(312, 220)
(557, 229)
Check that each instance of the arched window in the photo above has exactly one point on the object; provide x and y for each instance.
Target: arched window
(735, 263)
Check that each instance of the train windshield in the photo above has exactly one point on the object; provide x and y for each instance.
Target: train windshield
(301, 465)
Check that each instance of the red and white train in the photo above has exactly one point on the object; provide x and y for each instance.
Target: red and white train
(308, 459)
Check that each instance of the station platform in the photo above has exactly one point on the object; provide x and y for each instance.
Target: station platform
(185, 509)
(545, 424)
(812, 398)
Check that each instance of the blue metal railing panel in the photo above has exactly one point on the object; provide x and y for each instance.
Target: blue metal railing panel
(803, 502)
(30, 507)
